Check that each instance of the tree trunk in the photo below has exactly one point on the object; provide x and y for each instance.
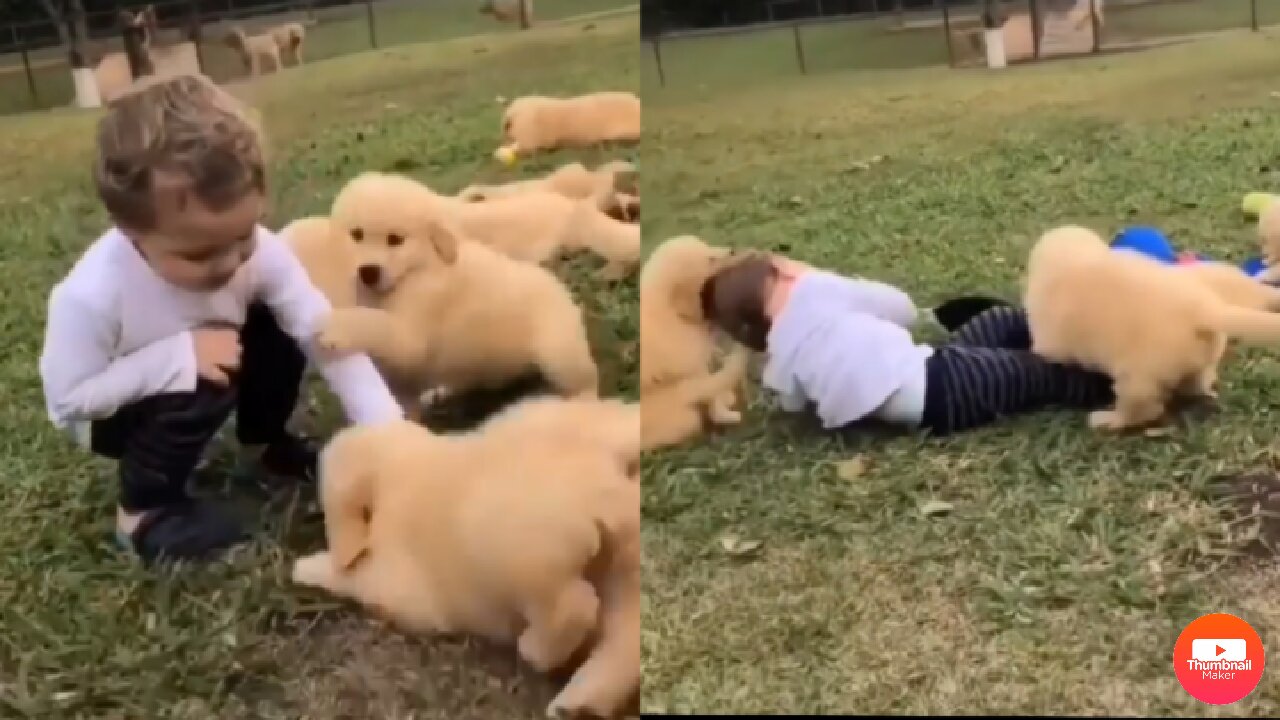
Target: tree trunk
(79, 22)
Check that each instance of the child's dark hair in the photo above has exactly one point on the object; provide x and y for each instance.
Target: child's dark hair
(734, 299)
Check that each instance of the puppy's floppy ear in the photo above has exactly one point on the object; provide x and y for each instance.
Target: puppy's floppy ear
(347, 477)
(444, 237)
(686, 300)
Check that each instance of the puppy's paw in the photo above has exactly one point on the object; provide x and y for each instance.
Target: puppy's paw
(1106, 420)
(613, 272)
(314, 570)
(338, 335)
(721, 415)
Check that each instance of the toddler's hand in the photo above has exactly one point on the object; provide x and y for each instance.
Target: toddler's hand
(217, 353)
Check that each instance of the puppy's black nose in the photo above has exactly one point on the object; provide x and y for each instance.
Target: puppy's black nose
(370, 274)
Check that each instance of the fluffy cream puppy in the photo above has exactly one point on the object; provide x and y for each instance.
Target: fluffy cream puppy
(1154, 328)
(533, 227)
(1269, 241)
(536, 123)
(609, 422)
(612, 186)
(674, 412)
(255, 51)
(677, 343)
(507, 538)
(447, 312)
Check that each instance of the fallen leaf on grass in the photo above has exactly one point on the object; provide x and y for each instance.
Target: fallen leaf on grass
(935, 507)
(851, 469)
(734, 545)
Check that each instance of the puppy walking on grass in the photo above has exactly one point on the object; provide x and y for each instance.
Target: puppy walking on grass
(1155, 329)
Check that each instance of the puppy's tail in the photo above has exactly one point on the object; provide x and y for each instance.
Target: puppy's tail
(347, 469)
(1255, 327)
(705, 388)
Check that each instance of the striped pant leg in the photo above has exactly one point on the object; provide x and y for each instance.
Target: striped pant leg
(967, 387)
(998, 327)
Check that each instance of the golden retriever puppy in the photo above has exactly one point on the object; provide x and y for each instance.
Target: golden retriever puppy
(673, 413)
(609, 422)
(1233, 286)
(504, 538)
(289, 38)
(447, 312)
(612, 185)
(537, 123)
(533, 227)
(1269, 241)
(1154, 328)
(676, 341)
(329, 258)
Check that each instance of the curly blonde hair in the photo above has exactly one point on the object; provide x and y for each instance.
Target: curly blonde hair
(184, 127)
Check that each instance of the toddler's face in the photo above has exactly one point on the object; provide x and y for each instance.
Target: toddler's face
(198, 249)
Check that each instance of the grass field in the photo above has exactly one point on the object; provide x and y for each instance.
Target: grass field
(339, 31)
(87, 634)
(1033, 567)
(883, 44)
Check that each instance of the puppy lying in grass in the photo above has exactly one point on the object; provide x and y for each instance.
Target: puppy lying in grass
(527, 539)
(678, 347)
(534, 227)
(613, 186)
(1155, 329)
(447, 312)
(608, 422)
(537, 123)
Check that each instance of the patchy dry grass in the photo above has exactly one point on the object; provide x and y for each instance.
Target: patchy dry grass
(1069, 562)
(89, 634)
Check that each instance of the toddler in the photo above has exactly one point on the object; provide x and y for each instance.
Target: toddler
(186, 310)
(844, 346)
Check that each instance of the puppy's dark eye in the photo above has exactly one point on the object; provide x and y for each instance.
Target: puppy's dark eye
(357, 234)
(395, 240)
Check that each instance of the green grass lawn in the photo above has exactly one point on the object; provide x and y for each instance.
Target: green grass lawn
(87, 633)
(339, 31)
(1069, 561)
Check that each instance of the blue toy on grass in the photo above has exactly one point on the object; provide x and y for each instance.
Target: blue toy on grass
(1151, 242)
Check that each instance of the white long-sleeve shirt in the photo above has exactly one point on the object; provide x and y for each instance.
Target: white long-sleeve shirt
(843, 345)
(117, 332)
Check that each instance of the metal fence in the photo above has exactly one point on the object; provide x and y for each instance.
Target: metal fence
(949, 34)
(34, 63)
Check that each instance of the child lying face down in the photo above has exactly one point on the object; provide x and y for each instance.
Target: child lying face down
(844, 346)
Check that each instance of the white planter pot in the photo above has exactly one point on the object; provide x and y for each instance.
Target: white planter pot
(993, 38)
(86, 85)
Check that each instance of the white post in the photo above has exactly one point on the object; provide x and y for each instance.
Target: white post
(86, 84)
(993, 38)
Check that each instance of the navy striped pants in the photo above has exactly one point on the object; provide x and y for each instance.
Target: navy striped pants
(987, 371)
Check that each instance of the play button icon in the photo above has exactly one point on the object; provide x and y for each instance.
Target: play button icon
(1218, 650)
(1208, 649)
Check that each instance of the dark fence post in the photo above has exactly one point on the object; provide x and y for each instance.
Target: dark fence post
(946, 30)
(795, 32)
(657, 56)
(193, 31)
(1097, 27)
(1253, 14)
(373, 31)
(31, 78)
(1037, 25)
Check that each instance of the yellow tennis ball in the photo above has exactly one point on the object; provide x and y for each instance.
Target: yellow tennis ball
(1255, 202)
(506, 156)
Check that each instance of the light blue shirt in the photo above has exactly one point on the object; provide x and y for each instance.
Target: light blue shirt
(843, 345)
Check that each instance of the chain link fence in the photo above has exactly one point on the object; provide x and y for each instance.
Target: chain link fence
(788, 37)
(34, 61)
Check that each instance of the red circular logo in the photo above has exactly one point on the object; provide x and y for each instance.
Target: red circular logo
(1218, 659)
